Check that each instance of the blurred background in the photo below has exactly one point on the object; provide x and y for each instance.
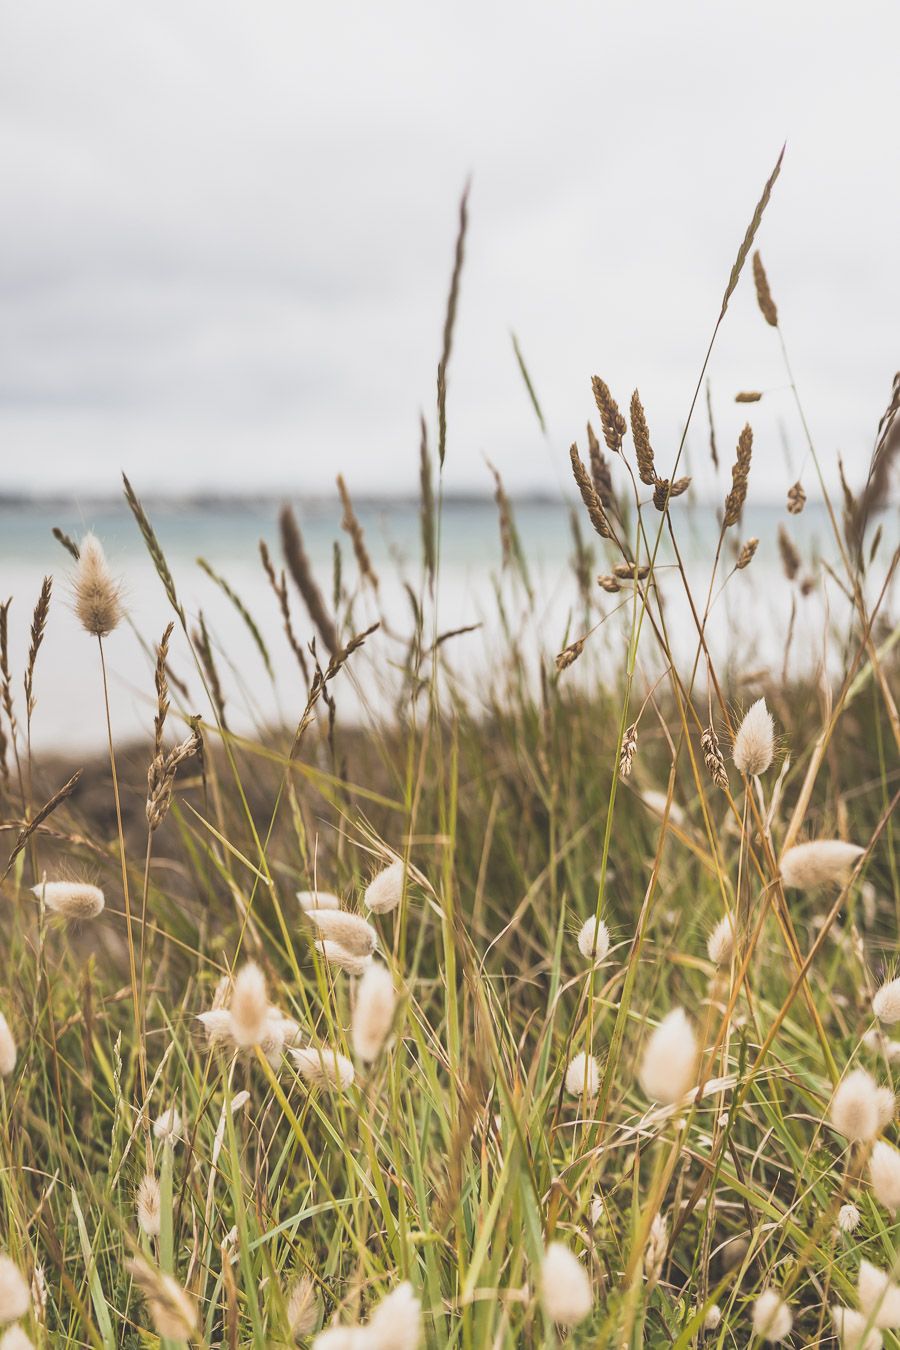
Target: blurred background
(227, 241)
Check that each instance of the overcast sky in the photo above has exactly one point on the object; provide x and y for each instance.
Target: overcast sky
(227, 232)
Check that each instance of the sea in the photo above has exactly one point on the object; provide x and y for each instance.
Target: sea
(759, 619)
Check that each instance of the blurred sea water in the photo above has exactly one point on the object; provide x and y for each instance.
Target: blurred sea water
(748, 627)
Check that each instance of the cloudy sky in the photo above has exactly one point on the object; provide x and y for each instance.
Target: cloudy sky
(227, 232)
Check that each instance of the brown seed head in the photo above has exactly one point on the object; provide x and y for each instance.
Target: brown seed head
(763, 294)
(740, 473)
(640, 434)
(612, 421)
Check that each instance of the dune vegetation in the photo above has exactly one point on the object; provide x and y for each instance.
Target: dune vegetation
(559, 1016)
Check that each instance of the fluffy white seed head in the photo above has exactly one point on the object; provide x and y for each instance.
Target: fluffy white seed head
(373, 1014)
(669, 1067)
(886, 1003)
(754, 744)
(655, 1250)
(879, 1296)
(884, 1174)
(322, 1067)
(302, 1307)
(856, 1108)
(349, 931)
(338, 956)
(343, 1338)
(98, 596)
(167, 1126)
(396, 1324)
(566, 1293)
(821, 862)
(15, 1297)
(385, 891)
(71, 899)
(249, 1005)
(147, 1203)
(14, 1338)
(887, 1107)
(593, 940)
(216, 1024)
(7, 1048)
(713, 1319)
(848, 1218)
(583, 1076)
(720, 944)
(772, 1319)
(172, 1310)
(318, 900)
(850, 1329)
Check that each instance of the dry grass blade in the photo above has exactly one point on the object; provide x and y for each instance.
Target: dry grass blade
(38, 627)
(350, 523)
(449, 321)
(278, 582)
(747, 242)
(523, 369)
(874, 495)
(426, 491)
(67, 542)
(300, 569)
(153, 547)
(600, 471)
(243, 611)
(40, 816)
(205, 653)
(713, 448)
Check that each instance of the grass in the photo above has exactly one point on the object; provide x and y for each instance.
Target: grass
(457, 1155)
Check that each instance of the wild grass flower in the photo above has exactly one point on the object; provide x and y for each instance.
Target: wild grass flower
(167, 1126)
(7, 1048)
(669, 1066)
(98, 596)
(720, 943)
(172, 1310)
(593, 940)
(349, 931)
(884, 1174)
(848, 1218)
(16, 1338)
(318, 900)
(772, 1318)
(595, 1212)
(342, 1338)
(856, 1108)
(887, 1107)
(147, 1203)
(879, 1296)
(373, 1014)
(216, 1023)
(323, 1067)
(583, 1076)
(302, 1307)
(396, 1324)
(655, 1250)
(566, 1294)
(39, 1292)
(249, 1005)
(338, 956)
(854, 1330)
(385, 891)
(71, 899)
(754, 744)
(886, 1003)
(713, 757)
(713, 1319)
(821, 862)
(15, 1296)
